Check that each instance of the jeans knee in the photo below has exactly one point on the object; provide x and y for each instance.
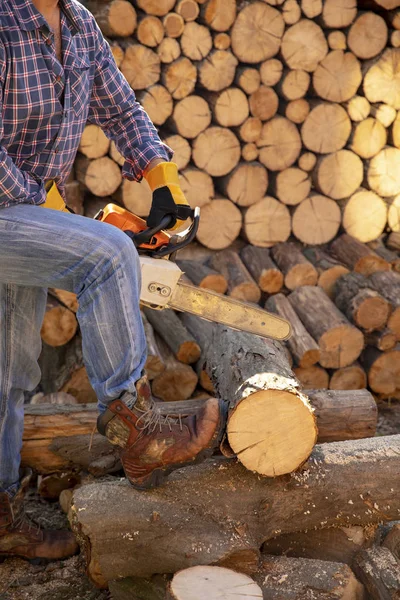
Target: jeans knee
(115, 248)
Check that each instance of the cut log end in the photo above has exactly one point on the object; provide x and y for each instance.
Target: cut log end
(340, 346)
(288, 421)
(208, 582)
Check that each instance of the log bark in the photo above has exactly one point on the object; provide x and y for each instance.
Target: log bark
(297, 111)
(59, 324)
(262, 268)
(267, 223)
(361, 303)
(302, 347)
(393, 240)
(217, 151)
(101, 176)
(241, 285)
(221, 216)
(383, 370)
(349, 378)
(325, 215)
(239, 513)
(392, 540)
(79, 386)
(154, 364)
(58, 364)
(196, 41)
(382, 340)
(217, 70)
(93, 143)
(190, 116)
(329, 269)
(158, 103)
(257, 32)
(292, 186)
(361, 42)
(339, 175)
(116, 18)
(339, 13)
(150, 31)
(271, 71)
(379, 571)
(246, 184)
(337, 77)
(340, 342)
(177, 382)
(263, 103)
(197, 186)
(201, 330)
(203, 276)
(304, 46)
(357, 256)
(180, 77)
(381, 82)
(167, 324)
(279, 143)
(312, 377)
(365, 216)
(388, 285)
(326, 129)
(141, 66)
(295, 267)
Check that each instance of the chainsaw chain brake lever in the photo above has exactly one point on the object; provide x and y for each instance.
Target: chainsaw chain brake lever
(144, 237)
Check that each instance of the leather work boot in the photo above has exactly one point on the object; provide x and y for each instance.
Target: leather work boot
(20, 537)
(152, 444)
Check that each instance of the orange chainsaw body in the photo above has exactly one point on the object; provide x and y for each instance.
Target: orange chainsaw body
(127, 221)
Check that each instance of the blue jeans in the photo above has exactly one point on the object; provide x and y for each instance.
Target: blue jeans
(41, 248)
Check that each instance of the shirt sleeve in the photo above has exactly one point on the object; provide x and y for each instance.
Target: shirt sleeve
(114, 108)
(16, 186)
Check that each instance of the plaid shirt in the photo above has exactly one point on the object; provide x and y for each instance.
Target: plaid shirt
(44, 106)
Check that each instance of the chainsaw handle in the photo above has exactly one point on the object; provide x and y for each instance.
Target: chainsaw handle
(145, 236)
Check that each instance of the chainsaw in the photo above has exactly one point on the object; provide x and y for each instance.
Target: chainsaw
(161, 279)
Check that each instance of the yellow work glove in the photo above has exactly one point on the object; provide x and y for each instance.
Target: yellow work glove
(54, 199)
(168, 198)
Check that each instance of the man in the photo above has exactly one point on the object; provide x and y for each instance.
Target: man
(57, 73)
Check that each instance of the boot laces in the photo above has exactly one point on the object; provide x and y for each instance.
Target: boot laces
(152, 419)
(21, 520)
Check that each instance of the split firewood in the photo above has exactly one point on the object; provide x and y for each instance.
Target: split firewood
(196, 41)
(302, 347)
(326, 129)
(158, 103)
(257, 32)
(116, 18)
(338, 175)
(360, 42)
(141, 66)
(203, 276)
(323, 212)
(220, 224)
(292, 186)
(357, 256)
(337, 77)
(314, 377)
(217, 70)
(383, 370)
(337, 544)
(59, 324)
(267, 223)
(190, 116)
(352, 377)
(154, 364)
(101, 176)
(359, 471)
(263, 103)
(170, 328)
(265, 362)
(388, 286)
(365, 216)
(329, 269)
(246, 184)
(361, 303)
(241, 285)
(179, 77)
(262, 268)
(178, 381)
(340, 342)
(94, 143)
(150, 31)
(379, 571)
(296, 268)
(216, 150)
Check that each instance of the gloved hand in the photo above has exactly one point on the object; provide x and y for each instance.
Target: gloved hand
(168, 198)
(54, 199)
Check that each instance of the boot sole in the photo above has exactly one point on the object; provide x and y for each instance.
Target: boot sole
(158, 476)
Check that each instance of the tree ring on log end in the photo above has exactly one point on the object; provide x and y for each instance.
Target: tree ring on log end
(340, 346)
(272, 432)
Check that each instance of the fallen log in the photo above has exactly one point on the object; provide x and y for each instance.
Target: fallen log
(223, 509)
(357, 256)
(379, 571)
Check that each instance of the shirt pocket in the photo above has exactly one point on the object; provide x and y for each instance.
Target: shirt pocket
(80, 84)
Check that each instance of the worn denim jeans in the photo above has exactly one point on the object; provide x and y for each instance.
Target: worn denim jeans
(42, 248)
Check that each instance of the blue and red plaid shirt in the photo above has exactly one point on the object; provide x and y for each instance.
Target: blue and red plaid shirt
(44, 106)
